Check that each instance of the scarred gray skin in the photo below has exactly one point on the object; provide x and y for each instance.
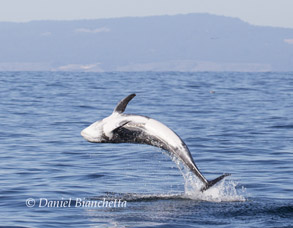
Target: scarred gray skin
(125, 128)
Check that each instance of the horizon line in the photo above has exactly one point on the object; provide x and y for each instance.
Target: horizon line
(140, 17)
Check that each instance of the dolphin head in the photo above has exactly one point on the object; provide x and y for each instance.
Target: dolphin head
(94, 132)
(103, 130)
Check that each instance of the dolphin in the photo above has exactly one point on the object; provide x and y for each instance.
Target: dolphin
(128, 128)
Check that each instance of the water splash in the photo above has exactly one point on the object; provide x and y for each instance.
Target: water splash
(225, 191)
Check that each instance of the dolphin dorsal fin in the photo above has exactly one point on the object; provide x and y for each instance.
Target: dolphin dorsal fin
(121, 106)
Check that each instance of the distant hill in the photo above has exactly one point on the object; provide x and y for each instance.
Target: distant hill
(192, 42)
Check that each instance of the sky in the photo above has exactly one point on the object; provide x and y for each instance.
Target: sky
(277, 13)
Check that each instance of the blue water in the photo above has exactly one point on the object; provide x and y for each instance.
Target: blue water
(238, 123)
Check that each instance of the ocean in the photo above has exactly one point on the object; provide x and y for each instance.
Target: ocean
(232, 122)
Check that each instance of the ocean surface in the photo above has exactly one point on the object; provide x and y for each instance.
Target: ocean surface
(238, 123)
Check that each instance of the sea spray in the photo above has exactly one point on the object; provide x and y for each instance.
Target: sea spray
(225, 191)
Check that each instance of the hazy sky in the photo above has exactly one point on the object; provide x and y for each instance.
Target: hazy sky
(259, 12)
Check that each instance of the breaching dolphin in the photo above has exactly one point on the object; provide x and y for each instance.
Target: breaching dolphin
(126, 128)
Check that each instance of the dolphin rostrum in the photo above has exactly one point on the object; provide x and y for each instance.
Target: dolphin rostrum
(126, 128)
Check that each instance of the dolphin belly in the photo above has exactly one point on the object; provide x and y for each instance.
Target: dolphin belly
(139, 135)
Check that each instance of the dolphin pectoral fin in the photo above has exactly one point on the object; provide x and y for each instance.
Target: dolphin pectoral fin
(121, 106)
(213, 182)
(121, 124)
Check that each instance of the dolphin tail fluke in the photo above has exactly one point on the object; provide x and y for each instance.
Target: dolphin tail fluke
(213, 182)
